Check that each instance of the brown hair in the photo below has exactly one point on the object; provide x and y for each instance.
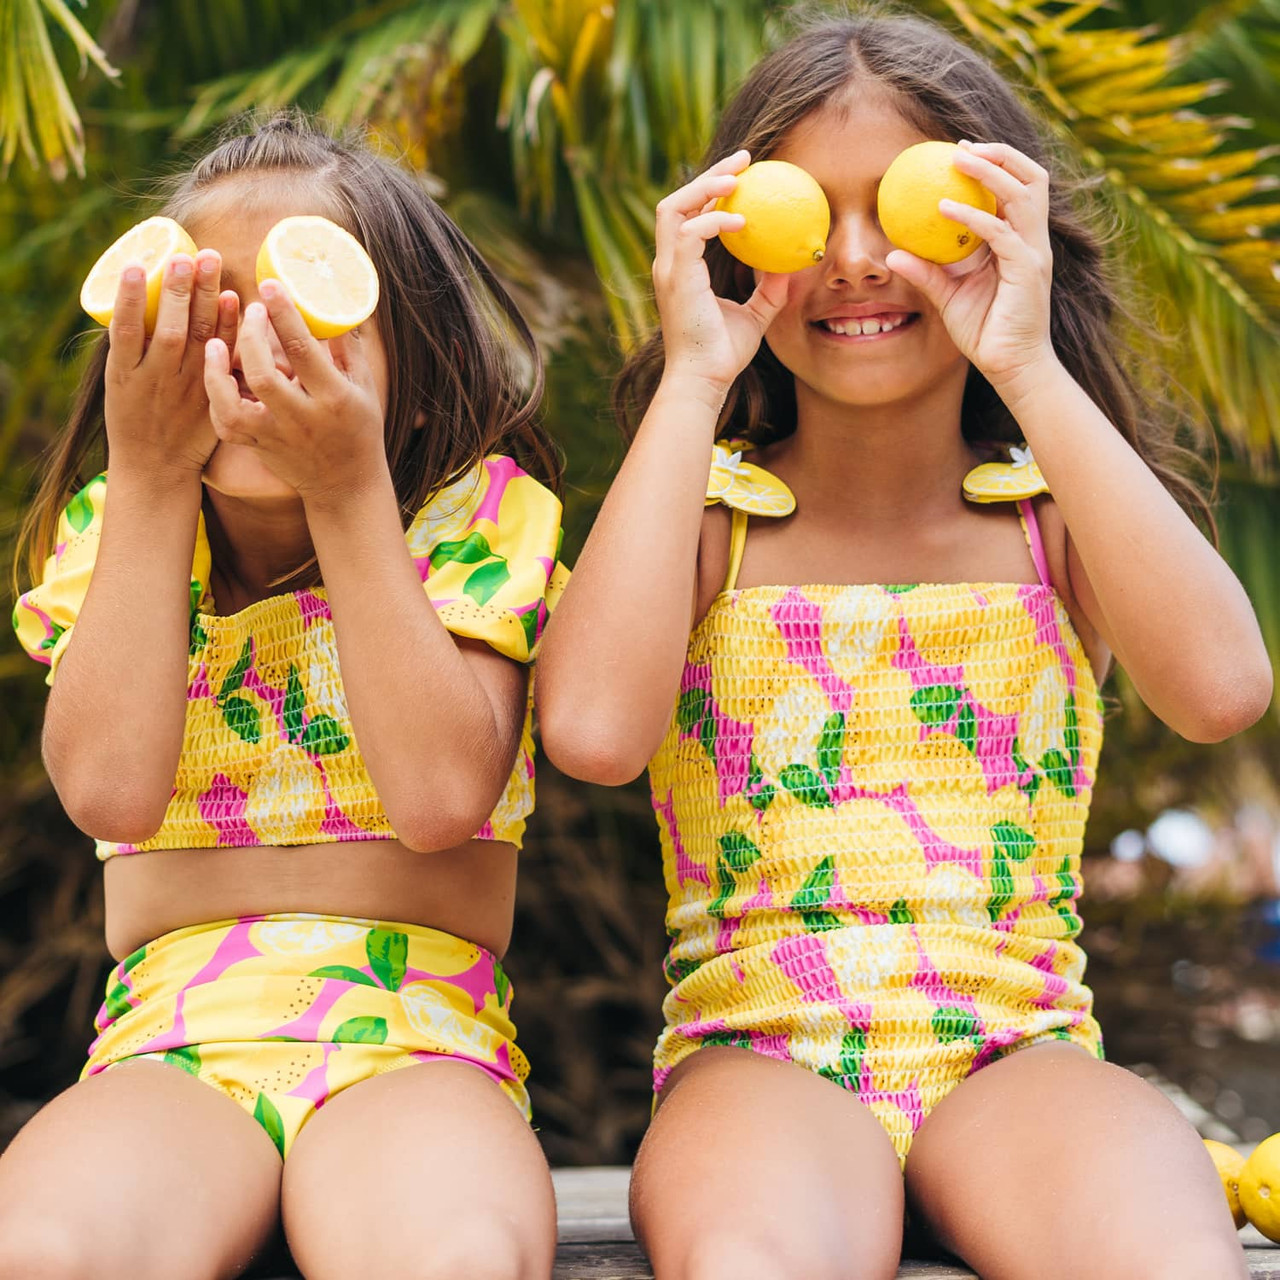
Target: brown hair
(946, 90)
(459, 352)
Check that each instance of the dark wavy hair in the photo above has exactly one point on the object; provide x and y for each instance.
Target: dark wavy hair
(460, 355)
(947, 91)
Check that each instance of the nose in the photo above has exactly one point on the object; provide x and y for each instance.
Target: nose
(856, 250)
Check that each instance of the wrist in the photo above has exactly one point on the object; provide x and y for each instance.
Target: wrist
(153, 482)
(1030, 381)
(362, 484)
(689, 388)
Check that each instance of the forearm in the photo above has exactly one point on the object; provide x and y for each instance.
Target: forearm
(114, 723)
(1163, 599)
(609, 666)
(436, 747)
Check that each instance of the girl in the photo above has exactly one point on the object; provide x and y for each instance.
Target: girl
(869, 706)
(309, 797)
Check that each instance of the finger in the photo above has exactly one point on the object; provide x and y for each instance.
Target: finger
(1005, 242)
(204, 303)
(1026, 207)
(127, 331)
(305, 355)
(692, 237)
(928, 277)
(258, 363)
(712, 183)
(228, 319)
(768, 298)
(234, 418)
(1023, 167)
(169, 341)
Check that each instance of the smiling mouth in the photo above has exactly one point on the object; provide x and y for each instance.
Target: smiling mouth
(868, 326)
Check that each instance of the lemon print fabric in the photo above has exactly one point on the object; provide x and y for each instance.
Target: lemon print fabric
(744, 486)
(787, 217)
(151, 243)
(1010, 481)
(907, 202)
(324, 269)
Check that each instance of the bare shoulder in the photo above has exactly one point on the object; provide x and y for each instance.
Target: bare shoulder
(1072, 583)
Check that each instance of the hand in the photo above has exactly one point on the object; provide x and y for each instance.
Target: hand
(320, 430)
(155, 407)
(706, 336)
(997, 311)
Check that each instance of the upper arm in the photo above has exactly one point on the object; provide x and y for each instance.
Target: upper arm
(506, 685)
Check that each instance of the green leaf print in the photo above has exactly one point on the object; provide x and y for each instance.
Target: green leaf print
(817, 886)
(806, 785)
(762, 799)
(707, 736)
(487, 581)
(117, 1001)
(724, 878)
(690, 710)
(265, 1113)
(501, 985)
(362, 1030)
(936, 703)
(294, 703)
(199, 638)
(1001, 885)
(820, 921)
(831, 747)
(469, 550)
(387, 952)
(243, 719)
(1057, 768)
(187, 1058)
(900, 588)
(1013, 841)
(235, 677)
(1072, 734)
(529, 621)
(967, 728)
(344, 973)
(739, 852)
(324, 736)
(852, 1050)
(952, 1023)
(79, 511)
(900, 913)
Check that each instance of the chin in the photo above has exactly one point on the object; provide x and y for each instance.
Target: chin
(237, 471)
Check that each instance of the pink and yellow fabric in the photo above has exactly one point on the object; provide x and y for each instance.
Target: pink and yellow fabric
(268, 755)
(282, 1012)
(871, 802)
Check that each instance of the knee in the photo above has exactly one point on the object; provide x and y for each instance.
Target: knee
(740, 1256)
(486, 1250)
(1221, 1258)
(48, 1249)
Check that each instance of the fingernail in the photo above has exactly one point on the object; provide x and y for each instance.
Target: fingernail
(269, 289)
(208, 266)
(134, 275)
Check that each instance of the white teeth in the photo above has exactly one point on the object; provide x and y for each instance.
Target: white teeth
(870, 325)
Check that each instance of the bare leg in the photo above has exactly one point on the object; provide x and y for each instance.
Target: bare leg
(760, 1170)
(1053, 1164)
(139, 1172)
(424, 1172)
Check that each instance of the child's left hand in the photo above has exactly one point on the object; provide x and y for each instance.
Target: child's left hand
(321, 429)
(996, 312)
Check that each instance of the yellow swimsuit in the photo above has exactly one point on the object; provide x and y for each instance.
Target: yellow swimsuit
(871, 801)
(282, 1012)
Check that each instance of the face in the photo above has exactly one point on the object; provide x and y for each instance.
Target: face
(235, 223)
(818, 335)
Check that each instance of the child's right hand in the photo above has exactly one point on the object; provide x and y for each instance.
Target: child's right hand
(706, 336)
(155, 406)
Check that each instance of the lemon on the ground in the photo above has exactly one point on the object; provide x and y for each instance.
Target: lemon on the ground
(908, 199)
(787, 217)
(324, 269)
(1229, 1162)
(151, 243)
(1260, 1187)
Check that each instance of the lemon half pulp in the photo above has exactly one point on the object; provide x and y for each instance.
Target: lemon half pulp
(151, 243)
(324, 269)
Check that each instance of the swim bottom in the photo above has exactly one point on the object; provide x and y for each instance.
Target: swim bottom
(282, 1012)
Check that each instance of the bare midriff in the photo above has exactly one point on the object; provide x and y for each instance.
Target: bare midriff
(468, 890)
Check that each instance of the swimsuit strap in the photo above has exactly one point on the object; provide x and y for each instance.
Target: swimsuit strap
(1031, 531)
(737, 544)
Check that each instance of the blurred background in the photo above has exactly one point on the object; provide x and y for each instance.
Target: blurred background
(549, 129)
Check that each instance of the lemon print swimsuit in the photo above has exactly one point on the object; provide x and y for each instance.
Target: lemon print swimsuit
(281, 1012)
(871, 801)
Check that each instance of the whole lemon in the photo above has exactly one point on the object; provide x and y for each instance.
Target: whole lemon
(1260, 1187)
(1228, 1161)
(908, 199)
(787, 217)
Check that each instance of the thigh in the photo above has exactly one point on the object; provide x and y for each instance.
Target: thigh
(425, 1171)
(1051, 1164)
(757, 1168)
(141, 1171)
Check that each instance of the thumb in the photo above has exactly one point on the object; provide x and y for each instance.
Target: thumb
(928, 277)
(769, 297)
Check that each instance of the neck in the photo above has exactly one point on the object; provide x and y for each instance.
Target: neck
(899, 459)
(254, 545)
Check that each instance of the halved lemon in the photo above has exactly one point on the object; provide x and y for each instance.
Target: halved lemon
(151, 243)
(324, 269)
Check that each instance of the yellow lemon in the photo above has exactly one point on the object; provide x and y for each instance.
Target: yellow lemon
(1260, 1187)
(151, 243)
(787, 217)
(324, 269)
(1229, 1162)
(908, 199)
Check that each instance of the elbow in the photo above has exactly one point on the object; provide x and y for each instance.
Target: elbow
(111, 813)
(591, 751)
(1232, 707)
(451, 815)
